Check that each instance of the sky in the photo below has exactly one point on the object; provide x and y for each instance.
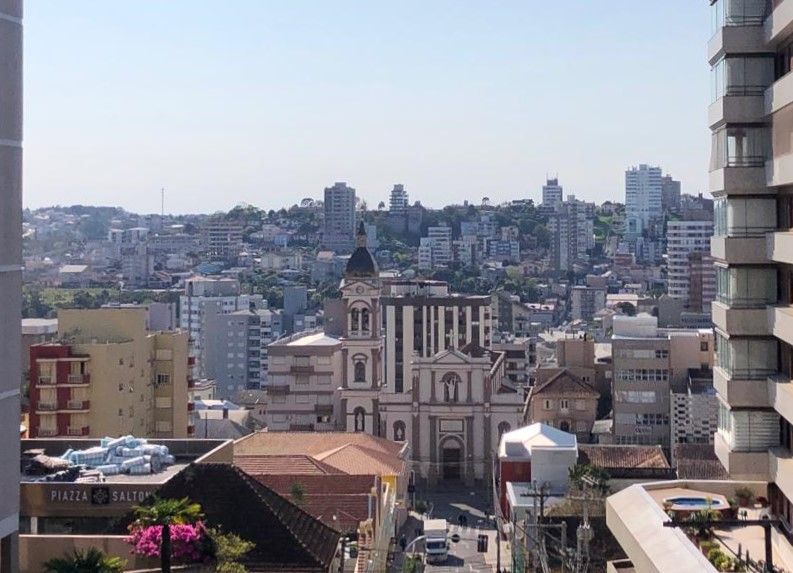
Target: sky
(267, 102)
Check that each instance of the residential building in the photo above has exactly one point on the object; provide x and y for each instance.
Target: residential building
(552, 193)
(36, 331)
(10, 273)
(281, 260)
(572, 234)
(233, 353)
(648, 364)
(222, 239)
(643, 193)
(398, 201)
(702, 273)
(521, 356)
(684, 238)
(436, 248)
(695, 410)
(339, 226)
(209, 295)
(108, 375)
(565, 402)
(586, 301)
(670, 194)
(421, 318)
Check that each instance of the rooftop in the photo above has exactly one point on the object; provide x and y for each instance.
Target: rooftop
(520, 443)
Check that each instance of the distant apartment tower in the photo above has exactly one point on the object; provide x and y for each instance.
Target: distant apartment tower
(339, 230)
(649, 363)
(233, 352)
(586, 301)
(398, 202)
(572, 234)
(436, 248)
(552, 193)
(643, 193)
(108, 375)
(670, 194)
(684, 238)
(10, 273)
(702, 288)
(204, 296)
(421, 318)
(695, 410)
(222, 239)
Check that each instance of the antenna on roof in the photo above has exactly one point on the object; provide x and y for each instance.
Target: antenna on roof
(162, 202)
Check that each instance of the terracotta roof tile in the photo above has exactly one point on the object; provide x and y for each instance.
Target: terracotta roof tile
(622, 456)
(283, 464)
(698, 461)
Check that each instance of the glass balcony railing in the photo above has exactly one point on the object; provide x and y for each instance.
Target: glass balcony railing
(728, 13)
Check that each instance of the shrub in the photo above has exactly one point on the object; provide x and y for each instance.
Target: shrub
(186, 541)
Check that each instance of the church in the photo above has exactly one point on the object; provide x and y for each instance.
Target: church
(451, 400)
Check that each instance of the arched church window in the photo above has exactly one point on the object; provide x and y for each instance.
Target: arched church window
(399, 431)
(360, 371)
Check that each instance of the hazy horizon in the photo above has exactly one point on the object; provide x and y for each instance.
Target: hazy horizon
(266, 103)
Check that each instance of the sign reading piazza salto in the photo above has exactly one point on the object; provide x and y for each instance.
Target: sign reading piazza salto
(73, 499)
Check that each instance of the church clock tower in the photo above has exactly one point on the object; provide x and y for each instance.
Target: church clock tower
(362, 343)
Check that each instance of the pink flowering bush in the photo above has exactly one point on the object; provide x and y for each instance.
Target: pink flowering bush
(187, 541)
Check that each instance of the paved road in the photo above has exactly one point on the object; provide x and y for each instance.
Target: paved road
(449, 503)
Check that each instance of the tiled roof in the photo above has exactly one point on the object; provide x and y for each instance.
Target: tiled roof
(358, 460)
(564, 382)
(698, 461)
(311, 443)
(285, 537)
(295, 464)
(622, 456)
(220, 429)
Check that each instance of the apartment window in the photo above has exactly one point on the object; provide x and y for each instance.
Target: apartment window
(163, 379)
(740, 146)
(564, 405)
(744, 217)
(738, 13)
(741, 76)
(547, 405)
(746, 358)
(323, 419)
(746, 287)
(662, 353)
(302, 398)
(703, 346)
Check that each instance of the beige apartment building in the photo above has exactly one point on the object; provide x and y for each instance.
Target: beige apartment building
(108, 375)
(566, 402)
(648, 364)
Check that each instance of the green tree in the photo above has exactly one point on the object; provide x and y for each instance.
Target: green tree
(297, 492)
(229, 549)
(85, 561)
(167, 512)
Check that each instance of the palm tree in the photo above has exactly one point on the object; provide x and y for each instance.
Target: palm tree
(85, 561)
(167, 512)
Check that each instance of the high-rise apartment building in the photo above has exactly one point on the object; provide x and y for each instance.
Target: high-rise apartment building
(108, 375)
(552, 193)
(572, 234)
(339, 231)
(643, 193)
(422, 318)
(10, 274)
(205, 296)
(670, 194)
(648, 364)
(684, 238)
(751, 178)
(222, 239)
(398, 202)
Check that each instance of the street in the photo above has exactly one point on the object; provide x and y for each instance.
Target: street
(450, 503)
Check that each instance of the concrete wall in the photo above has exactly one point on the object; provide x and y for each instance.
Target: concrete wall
(35, 550)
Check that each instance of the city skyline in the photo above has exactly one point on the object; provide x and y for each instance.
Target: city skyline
(464, 102)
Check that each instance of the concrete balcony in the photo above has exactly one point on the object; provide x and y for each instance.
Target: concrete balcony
(736, 40)
(780, 395)
(78, 405)
(741, 465)
(77, 380)
(779, 24)
(47, 433)
(82, 431)
(779, 247)
(780, 469)
(736, 109)
(779, 171)
(45, 381)
(740, 392)
(46, 407)
(737, 181)
(740, 321)
(780, 322)
(778, 95)
(739, 250)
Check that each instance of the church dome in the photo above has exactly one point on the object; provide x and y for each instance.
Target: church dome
(361, 263)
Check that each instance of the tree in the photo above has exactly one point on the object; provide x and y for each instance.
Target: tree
(297, 492)
(85, 561)
(164, 513)
(228, 550)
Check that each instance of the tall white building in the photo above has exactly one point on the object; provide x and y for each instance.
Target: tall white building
(684, 238)
(339, 231)
(643, 197)
(10, 274)
(436, 248)
(572, 234)
(552, 193)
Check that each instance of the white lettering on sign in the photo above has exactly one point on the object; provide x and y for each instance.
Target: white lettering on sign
(98, 496)
(129, 496)
(69, 495)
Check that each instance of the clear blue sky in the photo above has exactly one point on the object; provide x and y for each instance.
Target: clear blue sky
(267, 102)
